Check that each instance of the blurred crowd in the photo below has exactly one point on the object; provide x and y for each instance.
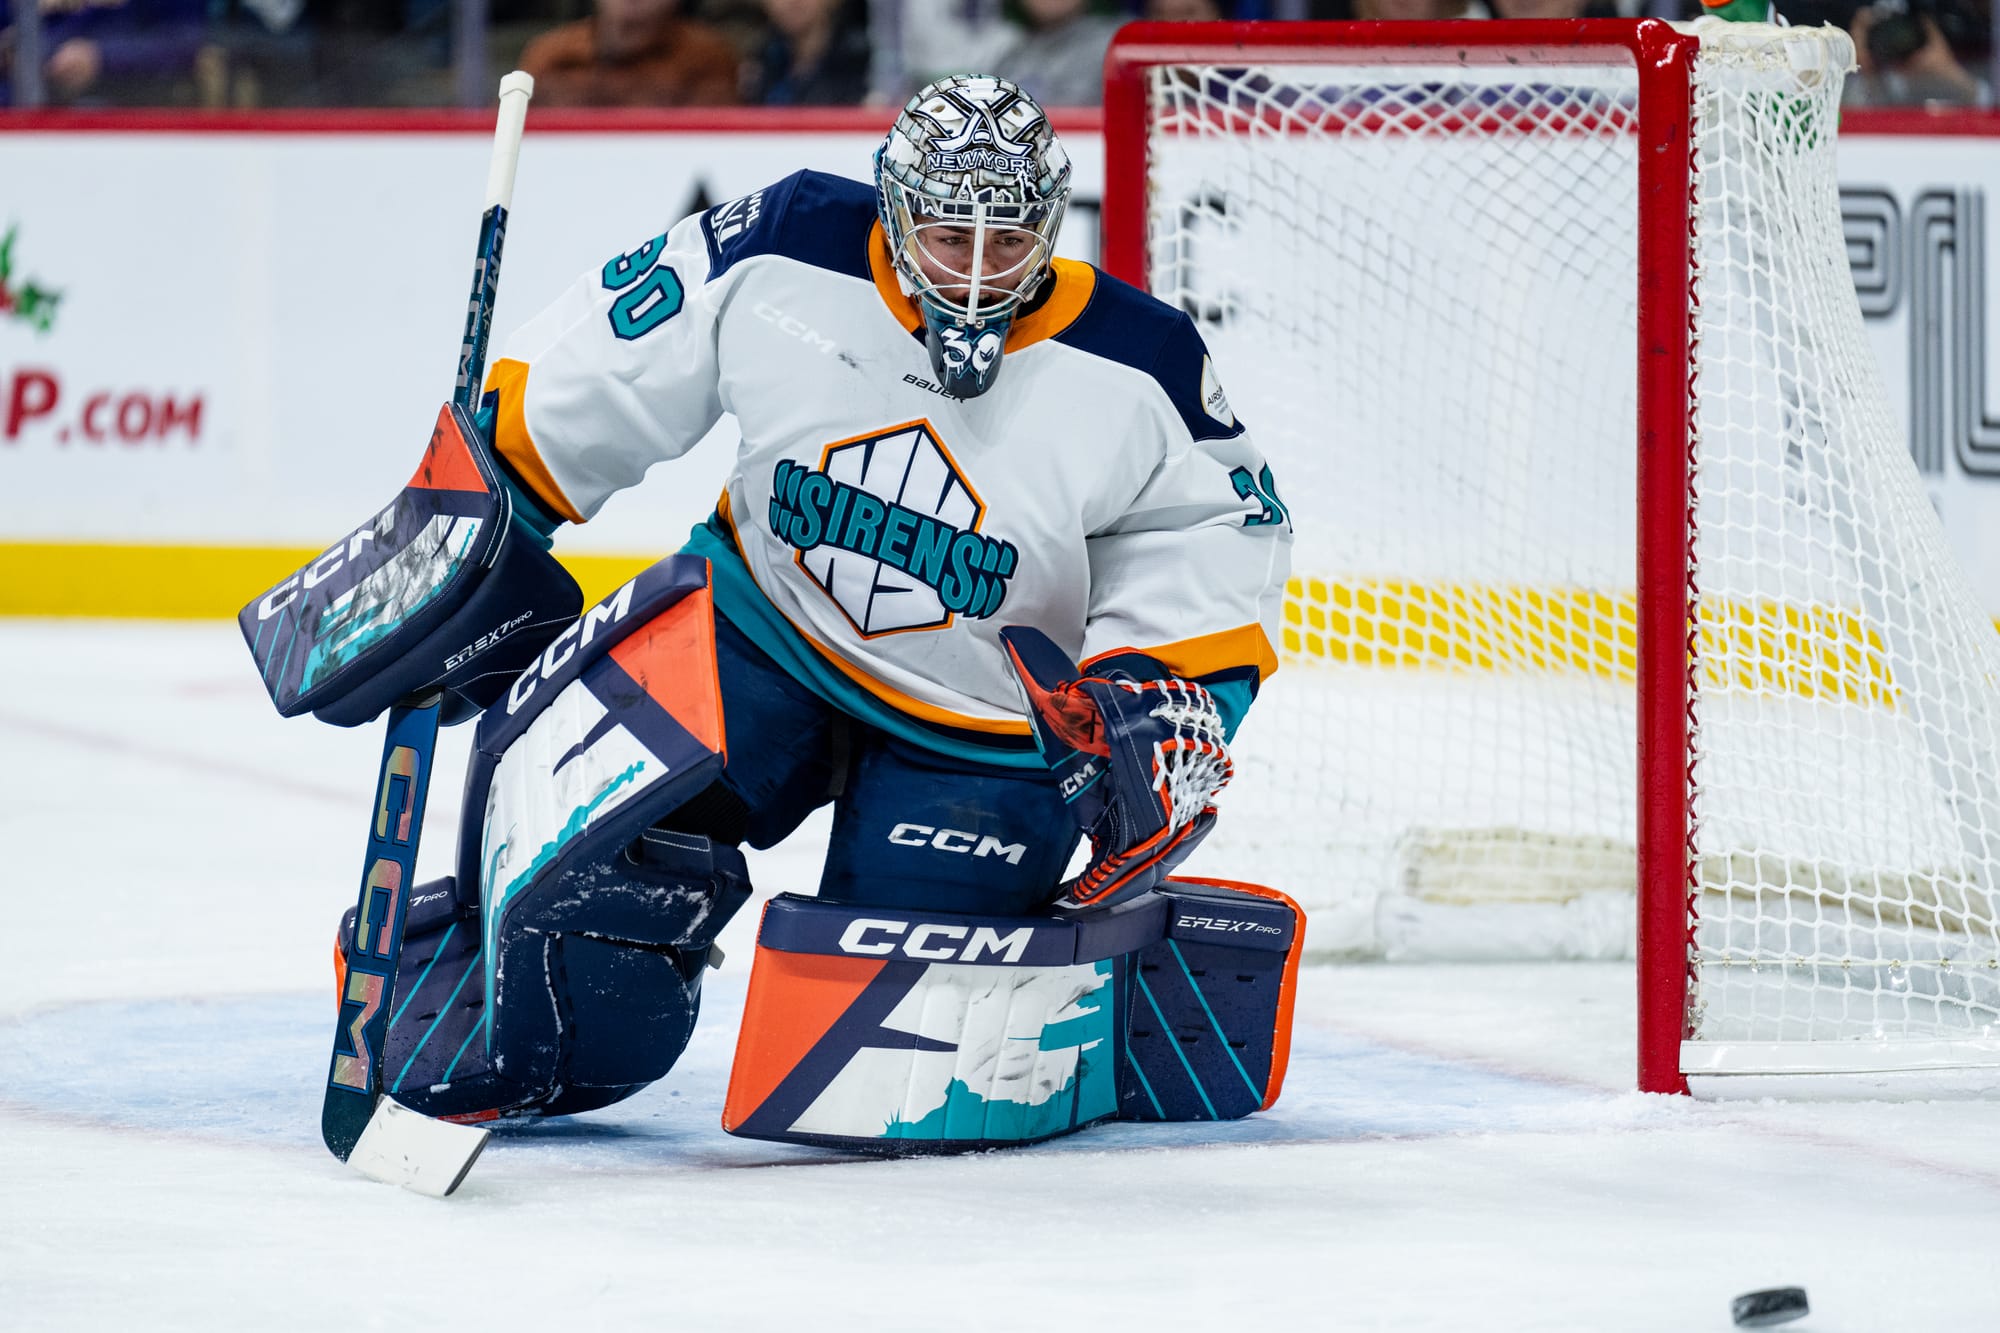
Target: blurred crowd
(666, 53)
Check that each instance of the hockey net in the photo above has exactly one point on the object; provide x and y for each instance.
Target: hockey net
(1611, 566)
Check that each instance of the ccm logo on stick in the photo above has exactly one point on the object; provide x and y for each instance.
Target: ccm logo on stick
(956, 840)
(934, 941)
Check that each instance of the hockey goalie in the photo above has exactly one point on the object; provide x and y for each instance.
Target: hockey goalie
(967, 466)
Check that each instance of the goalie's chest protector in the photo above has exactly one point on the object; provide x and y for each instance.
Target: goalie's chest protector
(899, 528)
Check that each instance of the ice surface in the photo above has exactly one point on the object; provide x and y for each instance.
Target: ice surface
(1457, 1148)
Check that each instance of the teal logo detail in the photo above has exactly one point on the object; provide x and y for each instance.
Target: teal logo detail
(888, 527)
(1089, 1093)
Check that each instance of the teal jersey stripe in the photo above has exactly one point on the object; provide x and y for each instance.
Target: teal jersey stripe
(1232, 700)
(738, 597)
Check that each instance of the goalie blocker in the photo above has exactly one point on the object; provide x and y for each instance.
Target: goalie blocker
(438, 594)
(911, 1031)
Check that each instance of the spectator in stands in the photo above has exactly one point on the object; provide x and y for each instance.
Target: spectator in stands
(632, 53)
(741, 23)
(1187, 11)
(1547, 9)
(815, 53)
(1385, 9)
(1059, 57)
(918, 41)
(1905, 57)
(114, 51)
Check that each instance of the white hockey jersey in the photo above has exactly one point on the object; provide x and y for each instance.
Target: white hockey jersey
(876, 534)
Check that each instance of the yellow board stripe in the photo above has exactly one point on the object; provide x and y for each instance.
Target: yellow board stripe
(1803, 651)
(192, 582)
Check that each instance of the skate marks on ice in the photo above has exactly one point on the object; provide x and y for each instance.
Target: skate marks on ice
(246, 1070)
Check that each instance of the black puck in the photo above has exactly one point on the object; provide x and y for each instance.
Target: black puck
(1761, 1309)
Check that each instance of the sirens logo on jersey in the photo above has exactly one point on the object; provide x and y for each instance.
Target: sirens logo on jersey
(887, 526)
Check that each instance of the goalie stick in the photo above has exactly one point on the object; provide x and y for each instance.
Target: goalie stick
(361, 1125)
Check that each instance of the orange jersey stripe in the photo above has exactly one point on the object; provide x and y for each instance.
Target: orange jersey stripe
(509, 379)
(1207, 654)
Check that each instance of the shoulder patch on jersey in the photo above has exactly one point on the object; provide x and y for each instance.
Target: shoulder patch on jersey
(1136, 329)
(1213, 400)
(808, 216)
(728, 221)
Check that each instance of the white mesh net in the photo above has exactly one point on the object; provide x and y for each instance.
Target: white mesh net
(1418, 283)
(1847, 717)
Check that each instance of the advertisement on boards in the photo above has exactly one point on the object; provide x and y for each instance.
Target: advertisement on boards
(239, 339)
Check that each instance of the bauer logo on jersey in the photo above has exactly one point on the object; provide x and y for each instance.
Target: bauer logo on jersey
(728, 221)
(888, 527)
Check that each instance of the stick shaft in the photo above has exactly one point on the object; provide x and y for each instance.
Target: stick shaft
(515, 90)
(395, 824)
(354, 1076)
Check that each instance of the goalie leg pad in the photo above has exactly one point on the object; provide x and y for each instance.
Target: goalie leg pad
(898, 1031)
(1211, 1010)
(579, 1020)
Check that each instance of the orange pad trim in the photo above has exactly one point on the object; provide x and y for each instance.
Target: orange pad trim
(447, 464)
(672, 657)
(794, 1000)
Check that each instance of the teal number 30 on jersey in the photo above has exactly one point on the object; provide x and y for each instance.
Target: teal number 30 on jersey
(649, 293)
(1264, 490)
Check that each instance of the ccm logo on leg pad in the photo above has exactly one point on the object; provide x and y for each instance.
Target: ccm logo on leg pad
(934, 941)
(956, 840)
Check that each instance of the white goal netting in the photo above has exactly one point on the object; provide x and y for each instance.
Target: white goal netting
(1419, 280)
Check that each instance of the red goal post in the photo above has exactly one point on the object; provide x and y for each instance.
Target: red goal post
(1400, 240)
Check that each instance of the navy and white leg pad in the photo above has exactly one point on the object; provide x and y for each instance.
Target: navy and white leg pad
(559, 970)
(905, 1031)
(596, 989)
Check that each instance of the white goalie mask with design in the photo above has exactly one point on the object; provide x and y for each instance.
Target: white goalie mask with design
(971, 184)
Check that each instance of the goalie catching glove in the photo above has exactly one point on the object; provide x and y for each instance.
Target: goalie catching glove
(1140, 762)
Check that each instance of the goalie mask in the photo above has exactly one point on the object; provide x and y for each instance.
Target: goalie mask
(971, 185)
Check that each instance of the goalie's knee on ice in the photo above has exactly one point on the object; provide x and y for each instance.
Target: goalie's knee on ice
(903, 1030)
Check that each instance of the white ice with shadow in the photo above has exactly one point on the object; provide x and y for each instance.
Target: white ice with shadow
(1457, 1148)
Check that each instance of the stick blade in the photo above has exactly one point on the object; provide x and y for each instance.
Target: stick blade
(401, 1147)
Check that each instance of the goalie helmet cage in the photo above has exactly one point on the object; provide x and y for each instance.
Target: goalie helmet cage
(1474, 287)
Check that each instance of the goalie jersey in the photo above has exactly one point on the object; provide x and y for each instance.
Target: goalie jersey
(876, 534)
